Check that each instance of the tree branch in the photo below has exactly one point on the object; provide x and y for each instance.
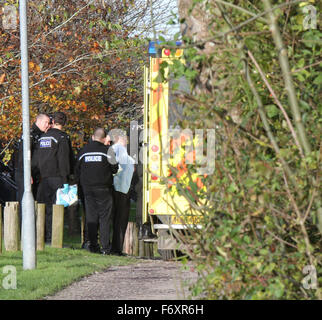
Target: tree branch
(286, 71)
(276, 101)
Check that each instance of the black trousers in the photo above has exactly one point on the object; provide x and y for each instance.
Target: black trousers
(122, 206)
(82, 200)
(99, 206)
(47, 194)
(19, 179)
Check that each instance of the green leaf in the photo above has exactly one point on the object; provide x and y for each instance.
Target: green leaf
(277, 289)
(318, 79)
(304, 105)
(221, 252)
(232, 188)
(162, 39)
(176, 36)
(300, 64)
(271, 110)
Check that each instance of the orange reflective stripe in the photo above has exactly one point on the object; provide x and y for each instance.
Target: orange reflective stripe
(156, 64)
(155, 195)
(157, 94)
(156, 126)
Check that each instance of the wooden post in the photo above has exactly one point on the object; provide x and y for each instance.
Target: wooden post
(57, 226)
(141, 248)
(0, 228)
(130, 245)
(40, 226)
(11, 226)
(135, 241)
(130, 227)
(148, 249)
(155, 248)
(126, 240)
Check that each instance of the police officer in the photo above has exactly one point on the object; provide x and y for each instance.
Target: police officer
(40, 126)
(95, 167)
(53, 158)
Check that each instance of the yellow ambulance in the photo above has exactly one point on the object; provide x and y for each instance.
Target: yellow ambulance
(167, 202)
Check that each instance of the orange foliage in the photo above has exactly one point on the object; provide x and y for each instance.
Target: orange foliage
(65, 73)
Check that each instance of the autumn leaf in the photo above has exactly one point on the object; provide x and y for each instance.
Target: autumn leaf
(2, 78)
(31, 65)
(78, 90)
(64, 75)
(84, 106)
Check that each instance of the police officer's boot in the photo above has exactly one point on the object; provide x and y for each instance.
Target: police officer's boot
(94, 248)
(85, 245)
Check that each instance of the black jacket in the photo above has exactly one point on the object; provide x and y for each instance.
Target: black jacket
(35, 134)
(53, 155)
(96, 165)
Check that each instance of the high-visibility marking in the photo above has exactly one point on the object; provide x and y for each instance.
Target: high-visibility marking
(155, 195)
(157, 94)
(156, 125)
(93, 154)
(93, 159)
(45, 143)
(156, 64)
(45, 138)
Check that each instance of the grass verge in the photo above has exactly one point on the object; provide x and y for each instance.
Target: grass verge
(56, 269)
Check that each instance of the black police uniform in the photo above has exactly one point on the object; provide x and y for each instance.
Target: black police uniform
(53, 159)
(35, 134)
(95, 167)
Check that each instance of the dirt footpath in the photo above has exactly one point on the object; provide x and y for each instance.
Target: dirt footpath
(146, 280)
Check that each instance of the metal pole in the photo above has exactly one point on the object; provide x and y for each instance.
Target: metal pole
(134, 141)
(28, 205)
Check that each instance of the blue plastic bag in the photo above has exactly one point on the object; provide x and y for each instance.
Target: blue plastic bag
(67, 199)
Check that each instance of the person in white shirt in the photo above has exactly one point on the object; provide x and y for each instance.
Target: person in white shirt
(122, 183)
